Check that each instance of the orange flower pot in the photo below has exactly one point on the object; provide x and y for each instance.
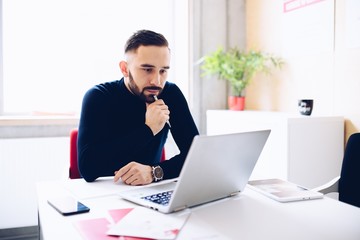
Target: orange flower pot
(236, 103)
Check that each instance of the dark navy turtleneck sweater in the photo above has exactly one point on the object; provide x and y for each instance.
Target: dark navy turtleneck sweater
(112, 131)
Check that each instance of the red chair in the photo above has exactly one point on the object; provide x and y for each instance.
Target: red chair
(163, 157)
(74, 169)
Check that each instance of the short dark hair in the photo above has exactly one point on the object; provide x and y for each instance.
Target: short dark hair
(145, 38)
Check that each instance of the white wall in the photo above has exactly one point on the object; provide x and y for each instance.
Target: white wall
(23, 162)
(214, 23)
(329, 75)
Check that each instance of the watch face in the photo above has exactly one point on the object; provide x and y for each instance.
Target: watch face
(158, 172)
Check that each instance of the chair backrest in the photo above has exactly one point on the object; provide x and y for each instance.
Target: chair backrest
(74, 172)
(74, 169)
(349, 183)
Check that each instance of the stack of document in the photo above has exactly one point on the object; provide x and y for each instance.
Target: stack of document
(146, 223)
(134, 223)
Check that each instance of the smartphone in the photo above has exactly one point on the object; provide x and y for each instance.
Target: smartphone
(68, 205)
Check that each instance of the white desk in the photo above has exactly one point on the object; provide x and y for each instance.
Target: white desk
(249, 215)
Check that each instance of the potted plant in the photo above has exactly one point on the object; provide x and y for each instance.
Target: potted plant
(238, 68)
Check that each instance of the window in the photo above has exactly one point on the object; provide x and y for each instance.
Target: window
(53, 51)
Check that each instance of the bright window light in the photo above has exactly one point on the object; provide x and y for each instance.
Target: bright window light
(53, 51)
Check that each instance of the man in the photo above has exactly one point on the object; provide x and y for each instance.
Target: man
(123, 128)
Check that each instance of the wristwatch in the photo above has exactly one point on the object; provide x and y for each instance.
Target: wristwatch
(157, 173)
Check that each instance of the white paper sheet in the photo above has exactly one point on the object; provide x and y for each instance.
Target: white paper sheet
(99, 188)
(147, 223)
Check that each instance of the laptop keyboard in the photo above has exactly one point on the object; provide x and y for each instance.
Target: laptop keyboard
(160, 198)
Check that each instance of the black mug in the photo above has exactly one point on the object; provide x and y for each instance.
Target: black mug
(305, 106)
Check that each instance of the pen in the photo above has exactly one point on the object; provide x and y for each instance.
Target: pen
(167, 121)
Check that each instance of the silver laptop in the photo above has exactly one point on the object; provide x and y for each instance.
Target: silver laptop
(216, 167)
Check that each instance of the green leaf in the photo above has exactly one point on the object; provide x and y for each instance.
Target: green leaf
(238, 67)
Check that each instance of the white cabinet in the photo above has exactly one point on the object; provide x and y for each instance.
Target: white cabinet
(307, 150)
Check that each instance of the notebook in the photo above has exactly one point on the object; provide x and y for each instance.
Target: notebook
(216, 167)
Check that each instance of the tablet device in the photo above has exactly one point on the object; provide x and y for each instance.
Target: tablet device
(283, 191)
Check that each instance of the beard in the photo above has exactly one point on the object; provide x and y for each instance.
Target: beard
(141, 93)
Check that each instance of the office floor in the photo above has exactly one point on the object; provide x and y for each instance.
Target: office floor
(22, 233)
